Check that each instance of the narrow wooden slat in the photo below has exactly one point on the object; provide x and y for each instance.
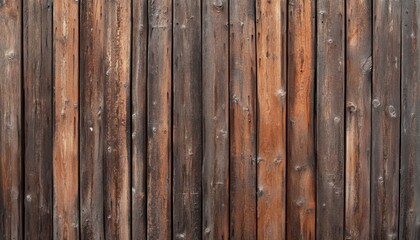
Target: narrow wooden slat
(271, 148)
(66, 130)
(330, 119)
(243, 83)
(37, 53)
(215, 69)
(358, 118)
(159, 120)
(117, 120)
(139, 119)
(10, 126)
(300, 127)
(92, 76)
(410, 123)
(385, 119)
(187, 119)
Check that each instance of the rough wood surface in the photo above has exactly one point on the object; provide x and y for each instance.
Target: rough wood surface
(10, 125)
(271, 124)
(330, 101)
(187, 120)
(66, 118)
(358, 119)
(410, 123)
(385, 119)
(159, 122)
(300, 125)
(92, 77)
(215, 69)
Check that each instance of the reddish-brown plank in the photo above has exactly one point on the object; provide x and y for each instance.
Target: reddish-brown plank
(66, 116)
(300, 125)
(271, 124)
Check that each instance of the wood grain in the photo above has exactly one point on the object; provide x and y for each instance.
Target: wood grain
(187, 120)
(410, 123)
(139, 119)
(117, 120)
(243, 84)
(11, 126)
(92, 77)
(215, 70)
(159, 121)
(66, 118)
(330, 72)
(300, 127)
(358, 118)
(271, 124)
(38, 112)
(386, 119)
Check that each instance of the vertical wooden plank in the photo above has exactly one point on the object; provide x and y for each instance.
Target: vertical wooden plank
(330, 119)
(300, 129)
(386, 119)
(215, 69)
(159, 119)
(92, 76)
(37, 51)
(243, 83)
(117, 121)
(358, 118)
(10, 113)
(187, 115)
(66, 130)
(410, 123)
(139, 119)
(271, 125)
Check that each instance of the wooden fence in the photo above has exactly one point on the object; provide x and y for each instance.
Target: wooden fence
(212, 119)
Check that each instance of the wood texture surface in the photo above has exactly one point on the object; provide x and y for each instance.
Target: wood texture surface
(358, 119)
(330, 81)
(385, 119)
(11, 122)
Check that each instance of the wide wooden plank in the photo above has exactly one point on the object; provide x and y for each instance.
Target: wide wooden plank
(271, 124)
(215, 69)
(300, 126)
(139, 119)
(410, 123)
(92, 77)
(66, 118)
(187, 119)
(159, 121)
(358, 119)
(117, 120)
(11, 123)
(38, 112)
(330, 119)
(386, 119)
(243, 207)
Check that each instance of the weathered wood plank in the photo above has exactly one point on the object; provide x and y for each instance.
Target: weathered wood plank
(187, 120)
(92, 77)
(117, 120)
(271, 124)
(410, 123)
(159, 122)
(330, 119)
(300, 128)
(10, 113)
(139, 120)
(358, 118)
(38, 112)
(215, 69)
(243, 84)
(386, 119)
(66, 116)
